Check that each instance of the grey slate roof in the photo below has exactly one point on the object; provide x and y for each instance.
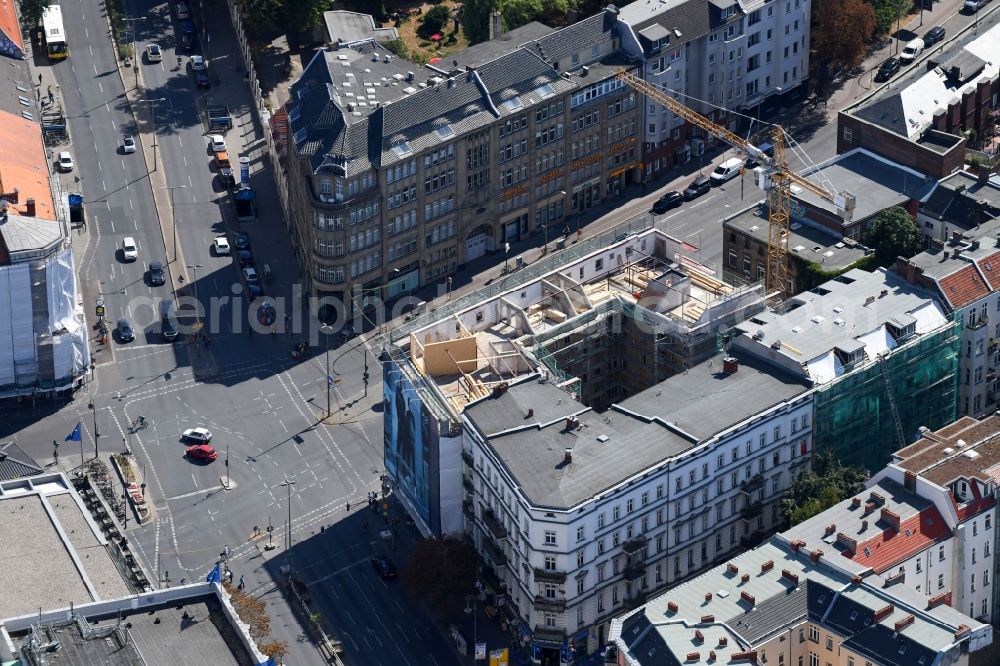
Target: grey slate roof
(29, 234)
(561, 44)
(689, 17)
(15, 463)
(691, 400)
(962, 208)
(886, 112)
(773, 614)
(532, 448)
(478, 54)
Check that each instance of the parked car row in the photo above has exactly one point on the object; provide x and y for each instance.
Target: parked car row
(909, 53)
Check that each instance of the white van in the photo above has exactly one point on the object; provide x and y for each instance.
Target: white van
(912, 50)
(726, 171)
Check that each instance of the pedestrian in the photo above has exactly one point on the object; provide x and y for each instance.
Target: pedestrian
(348, 506)
(39, 79)
(241, 585)
(225, 552)
(230, 574)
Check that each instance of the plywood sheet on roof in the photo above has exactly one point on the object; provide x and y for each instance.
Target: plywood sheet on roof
(23, 167)
(451, 356)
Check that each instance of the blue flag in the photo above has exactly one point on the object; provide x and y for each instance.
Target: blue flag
(75, 435)
(269, 662)
(215, 575)
(329, 380)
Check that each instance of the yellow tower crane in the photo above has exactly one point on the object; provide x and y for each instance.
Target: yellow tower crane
(775, 178)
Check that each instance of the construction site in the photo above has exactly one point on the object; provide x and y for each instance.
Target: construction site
(603, 327)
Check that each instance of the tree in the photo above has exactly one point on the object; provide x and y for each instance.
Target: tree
(304, 14)
(434, 20)
(520, 12)
(827, 483)
(476, 19)
(441, 572)
(261, 17)
(32, 10)
(840, 33)
(888, 13)
(396, 46)
(894, 234)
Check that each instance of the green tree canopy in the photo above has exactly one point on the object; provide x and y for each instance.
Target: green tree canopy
(434, 21)
(441, 572)
(31, 11)
(888, 12)
(825, 484)
(894, 234)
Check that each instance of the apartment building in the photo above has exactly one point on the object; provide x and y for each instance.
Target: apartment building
(579, 514)
(789, 604)
(928, 117)
(953, 468)
(717, 57)
(881, 355)
(961, 273)
(398, 173)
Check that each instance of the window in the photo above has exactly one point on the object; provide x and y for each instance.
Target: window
(600, 521)
(829, 643)
(550, 538)
(940, 553)
(813, 634)
(940, 581)
(579, 533)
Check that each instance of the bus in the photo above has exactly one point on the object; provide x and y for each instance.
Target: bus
(54, 33)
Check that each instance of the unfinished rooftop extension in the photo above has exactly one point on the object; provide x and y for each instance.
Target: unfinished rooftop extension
(604, 326)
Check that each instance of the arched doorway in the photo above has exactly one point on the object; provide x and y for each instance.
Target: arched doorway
(478, 242)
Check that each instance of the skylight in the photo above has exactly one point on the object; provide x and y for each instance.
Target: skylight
(545, 90)
(300, 136)
(444, 131)
(513, 104)
(402, 149)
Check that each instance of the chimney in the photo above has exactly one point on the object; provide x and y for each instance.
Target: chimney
(723, 641)
(962, 630)
(830, 529)
(891, 517)
(788, 575)
(30, 204)
(698, 636)
(496, 25)
(883, 613)
(531, 412)
(864, 525)
(730, 365)
(732, 568)
(856, 579)
(708, 597)
(847, 542)
(672, 606)
(572, 423)
(409, 76)
(815, 555)
(855, 502)
(902, 624)
(747, 597)
(767, 566)
(707, 619)
(745, 578)
(568, 456)
(798, 543)
(693, 656)
(711, 655)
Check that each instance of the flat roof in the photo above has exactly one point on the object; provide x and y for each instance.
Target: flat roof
(349, 27)
(811, 243)
(876, 182)
(703, 400)
(854, 306)
(44, 514)
(967, 448)
(606, 448)
(25, 167)
(189, 629)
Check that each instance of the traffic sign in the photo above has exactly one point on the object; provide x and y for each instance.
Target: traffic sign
(99, 307)
(480, 650)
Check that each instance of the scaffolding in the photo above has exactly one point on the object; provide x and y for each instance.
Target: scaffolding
(854, 415)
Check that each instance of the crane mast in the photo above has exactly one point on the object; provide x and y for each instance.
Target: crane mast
(777, 178)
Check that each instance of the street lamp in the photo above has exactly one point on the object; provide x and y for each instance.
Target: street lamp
(194, 283)
(152, 115)
(288, 532)
(506, 255)
(327, 330)
(173, 212)
(135, 47)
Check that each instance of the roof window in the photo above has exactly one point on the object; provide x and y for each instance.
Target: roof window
(513, 104)
(445, 132)
(545, 90)
(402, 149)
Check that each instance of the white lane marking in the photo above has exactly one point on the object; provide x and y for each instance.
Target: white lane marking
(185, 160)
(179, 139)
(95, 70)
(123, 165)
(112, 226)
(91, 48)
(100, 85)
(115, 125)
(194, 479)
(695, 233)
(112, 272)
(107, 108)
(190, 182)
(87, 33)
(131, 205)
(99, 167)
(105, 188)
(134, 222)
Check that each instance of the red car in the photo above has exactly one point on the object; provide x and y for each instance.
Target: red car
(202, 452)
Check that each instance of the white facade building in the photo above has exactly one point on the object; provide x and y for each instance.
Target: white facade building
(715, 57)
(580, 515)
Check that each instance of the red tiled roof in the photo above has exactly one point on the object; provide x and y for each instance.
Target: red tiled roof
(975, 506)
(9, 25)
(891, 547)
(991, 269)
(963, 287)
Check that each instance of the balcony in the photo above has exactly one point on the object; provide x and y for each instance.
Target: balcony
(755, 482)
(469, 509)
(634, 600)
(751, 511)
(495, 552)
(978, 322)
(498, 531)
(492, 579)
(634, 570)
(635, 545)
(992, 346)
(467, 458)
(549, 604)
(549, 576)
(468, 485)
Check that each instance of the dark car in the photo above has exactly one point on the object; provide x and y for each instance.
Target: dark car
(245, 258)
(167, 329)
(202, 79)
(698, 187)
(384, 567)
(933, 36)
(157, 275)
(242, 240)
(125, 333)
(668, 201)
(887, 69)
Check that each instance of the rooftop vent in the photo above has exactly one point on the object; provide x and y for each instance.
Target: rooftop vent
(568, 455)
(730, 365)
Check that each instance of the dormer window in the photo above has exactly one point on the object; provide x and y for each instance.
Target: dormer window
(729, 11)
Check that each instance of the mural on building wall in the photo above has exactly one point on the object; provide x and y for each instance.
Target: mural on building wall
(408, 440)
